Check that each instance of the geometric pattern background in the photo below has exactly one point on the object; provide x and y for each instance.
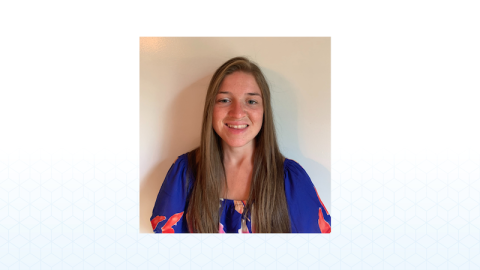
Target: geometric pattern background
(388, 213)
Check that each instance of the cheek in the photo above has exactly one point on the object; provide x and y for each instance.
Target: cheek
(215, 114)
(258, 116)
(216, 117)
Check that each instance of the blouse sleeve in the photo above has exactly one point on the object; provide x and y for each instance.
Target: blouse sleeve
(307, 211)
(168, 212)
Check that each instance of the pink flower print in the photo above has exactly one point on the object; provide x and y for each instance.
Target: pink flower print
(220, 228)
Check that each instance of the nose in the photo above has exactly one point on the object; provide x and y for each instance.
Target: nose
(237, 110)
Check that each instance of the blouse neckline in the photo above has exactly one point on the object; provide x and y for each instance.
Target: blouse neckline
(223, 199)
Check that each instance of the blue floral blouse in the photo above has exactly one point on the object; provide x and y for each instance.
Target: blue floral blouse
(305, 208)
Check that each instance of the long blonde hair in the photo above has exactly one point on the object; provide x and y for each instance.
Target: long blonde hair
(267, 191)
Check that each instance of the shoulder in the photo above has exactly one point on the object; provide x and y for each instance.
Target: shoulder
(176, 178)
(181, 160)
(297, 181)
(181, 164)
(292, 164)
(295, 172)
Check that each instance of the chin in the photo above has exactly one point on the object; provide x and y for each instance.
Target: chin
(236, 143)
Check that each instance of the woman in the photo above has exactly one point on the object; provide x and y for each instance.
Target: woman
(237, 180)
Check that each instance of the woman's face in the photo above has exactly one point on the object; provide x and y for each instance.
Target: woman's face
(238, 110)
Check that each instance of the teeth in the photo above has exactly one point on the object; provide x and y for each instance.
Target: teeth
(237, 126)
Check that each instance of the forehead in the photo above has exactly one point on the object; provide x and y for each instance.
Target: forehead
(239, 83)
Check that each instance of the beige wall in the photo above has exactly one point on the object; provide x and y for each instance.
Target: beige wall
(174, 76)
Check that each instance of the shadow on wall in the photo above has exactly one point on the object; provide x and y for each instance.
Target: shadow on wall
(181, 134)
(285, 106)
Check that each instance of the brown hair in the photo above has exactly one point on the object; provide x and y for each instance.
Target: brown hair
(267, 192)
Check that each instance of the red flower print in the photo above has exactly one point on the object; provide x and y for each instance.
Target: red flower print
(324, 226)
(157, 220)
(167, 228)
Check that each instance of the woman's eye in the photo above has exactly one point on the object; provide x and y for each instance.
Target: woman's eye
(252, 102)
(223, 100)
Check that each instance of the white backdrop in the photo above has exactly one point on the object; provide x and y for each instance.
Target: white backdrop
(174, 77)
(405, 148)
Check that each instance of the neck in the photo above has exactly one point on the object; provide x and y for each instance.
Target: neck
(238, 155)
(238, 162)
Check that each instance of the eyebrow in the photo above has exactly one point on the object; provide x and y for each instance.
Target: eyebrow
(250, 94)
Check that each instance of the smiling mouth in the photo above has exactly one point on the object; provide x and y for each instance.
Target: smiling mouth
(237, 126)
